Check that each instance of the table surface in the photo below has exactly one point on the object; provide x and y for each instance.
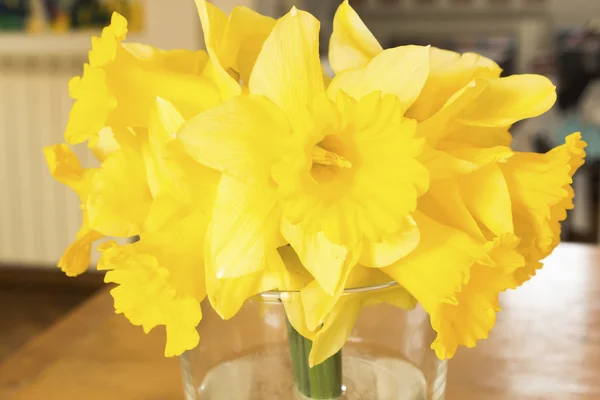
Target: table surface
(546, 345)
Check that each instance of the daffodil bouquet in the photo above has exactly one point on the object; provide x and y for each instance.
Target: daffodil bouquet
(245, 168)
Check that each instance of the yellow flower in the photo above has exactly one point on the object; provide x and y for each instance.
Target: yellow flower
(233, 43)
(65, 168)
(468, 140)
(457, 278)
(352, 45)
(143, 188)
(161, 280)
(161, 276)
(470, 223)
(335, 175)
(463, 100)
(541, 193)
(119, 199)
(121, 82)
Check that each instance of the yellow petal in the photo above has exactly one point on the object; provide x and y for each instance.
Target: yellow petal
(245, 35)
(177, 246)
(175, 179)
(296, 276)
(442, 165)
(508, 100)
(179, 60)
(481, 111)
(392, 247)
(476, 136)
(242, 137)
(244, 228)
(227, 296)
(336, 328)
(317, 303)
(120, 198)
(472, 314)
(163, 209)
(352, 45)
(292, 297)
(65, 168)
(120, 85)
(444, 203)
(448, 73)
(146, 298)
(214, 25)
(187, 181)
(443, 123)
(457, 280)
(478, 156)
(136, 83)
(93, 104)
(77, 257)
(288, 69)
(294, 310)
(439, 265)
(323, 259)
(488, 198)
(401, 71)
(164, 122)
(338, 325)
(104, 48)
(103, 144)
(438, 268)
(541, 192)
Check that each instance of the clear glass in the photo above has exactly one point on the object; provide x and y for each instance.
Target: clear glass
(387, 356)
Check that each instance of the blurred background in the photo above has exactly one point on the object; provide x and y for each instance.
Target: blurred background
(43, 43)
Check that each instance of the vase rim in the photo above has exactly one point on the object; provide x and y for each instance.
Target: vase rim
(278, 294)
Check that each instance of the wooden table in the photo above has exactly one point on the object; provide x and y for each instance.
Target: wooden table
(546, 346)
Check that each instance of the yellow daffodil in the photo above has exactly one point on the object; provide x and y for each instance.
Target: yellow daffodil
(161, 276)
(464, 112)
(464, 100)
(352, 45)
(121, 82)
(233, 43)
(538, 186)
(457, 278)
(141, 188)
(336, 176)
(65, 168)
(479, 194)
(161, 280)
(541, 193)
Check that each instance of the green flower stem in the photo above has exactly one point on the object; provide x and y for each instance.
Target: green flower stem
(323, 381)
(299, 357)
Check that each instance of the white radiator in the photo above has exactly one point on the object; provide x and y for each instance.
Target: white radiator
(39, 217)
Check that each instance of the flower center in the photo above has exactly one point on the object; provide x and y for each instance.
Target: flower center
(327, 159)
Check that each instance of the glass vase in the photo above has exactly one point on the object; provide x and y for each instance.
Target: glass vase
(387, 356)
